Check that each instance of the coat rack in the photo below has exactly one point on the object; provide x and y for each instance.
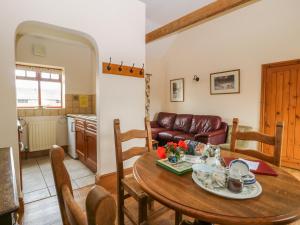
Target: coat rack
(123, 70)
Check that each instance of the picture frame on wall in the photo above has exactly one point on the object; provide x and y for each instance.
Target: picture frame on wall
(226, 82)
(177, 90)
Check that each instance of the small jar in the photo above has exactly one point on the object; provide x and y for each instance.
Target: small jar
(235, 183)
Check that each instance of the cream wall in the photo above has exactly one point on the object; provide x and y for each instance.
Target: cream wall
(116, 28)
(264, 32)
(75, 57)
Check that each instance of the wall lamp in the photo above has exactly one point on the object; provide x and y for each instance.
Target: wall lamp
(196, 78)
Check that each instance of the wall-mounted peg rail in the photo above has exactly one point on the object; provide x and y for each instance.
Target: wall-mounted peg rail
(122, 70)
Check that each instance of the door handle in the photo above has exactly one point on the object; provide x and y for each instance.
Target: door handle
(72, 126)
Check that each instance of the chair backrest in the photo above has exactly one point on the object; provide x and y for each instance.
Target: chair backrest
(275, 141)
(100, 205)
(123, 155)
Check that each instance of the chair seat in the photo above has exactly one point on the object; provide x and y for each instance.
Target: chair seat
(155, 131)
(169, 135)
(132, 187)
(183, 137)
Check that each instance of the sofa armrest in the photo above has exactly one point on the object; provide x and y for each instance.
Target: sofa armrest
(154, 124)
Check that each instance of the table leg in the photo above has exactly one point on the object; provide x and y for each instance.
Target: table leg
(199, 222)
(178, 218)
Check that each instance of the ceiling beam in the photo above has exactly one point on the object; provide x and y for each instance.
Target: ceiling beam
(210, 10)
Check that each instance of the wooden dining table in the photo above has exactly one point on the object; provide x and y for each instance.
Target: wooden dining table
(279, 202)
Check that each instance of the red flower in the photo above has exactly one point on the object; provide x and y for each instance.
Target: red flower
(170, 144)
(183, 145)
(161, 152)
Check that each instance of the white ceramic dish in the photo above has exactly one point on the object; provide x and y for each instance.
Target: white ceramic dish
(239, 165)
(249, 191)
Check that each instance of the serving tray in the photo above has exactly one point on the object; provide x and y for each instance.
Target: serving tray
(249, 191)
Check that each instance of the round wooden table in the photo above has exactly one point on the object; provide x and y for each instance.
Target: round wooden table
(279, 202)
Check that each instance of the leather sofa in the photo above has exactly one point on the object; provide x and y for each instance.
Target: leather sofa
(202, 128)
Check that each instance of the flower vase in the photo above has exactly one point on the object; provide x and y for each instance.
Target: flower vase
(173, 158)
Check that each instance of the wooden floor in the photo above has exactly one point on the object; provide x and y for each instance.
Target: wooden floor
(46, 211)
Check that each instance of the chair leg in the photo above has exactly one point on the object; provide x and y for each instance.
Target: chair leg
(142, 204)
(121, 206)
(150, 204)
(178, 218)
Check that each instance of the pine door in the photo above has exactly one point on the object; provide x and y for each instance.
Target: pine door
(281, 102)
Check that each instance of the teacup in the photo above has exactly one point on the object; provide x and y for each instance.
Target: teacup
(202, 171)
(219, 179)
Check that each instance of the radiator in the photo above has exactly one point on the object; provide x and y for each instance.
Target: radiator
(41, 134)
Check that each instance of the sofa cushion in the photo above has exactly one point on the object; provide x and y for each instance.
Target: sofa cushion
(168, 135)
(155, 131)
(205, 123)
(166, 120)
(183, 137)
(183, 122)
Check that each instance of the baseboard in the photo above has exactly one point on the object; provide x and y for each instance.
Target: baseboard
(41, 153)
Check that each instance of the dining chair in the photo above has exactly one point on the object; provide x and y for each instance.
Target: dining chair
(100, 205)
(127, 186)
(275, 141)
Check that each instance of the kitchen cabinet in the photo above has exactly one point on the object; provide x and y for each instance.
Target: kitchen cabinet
(86, 142)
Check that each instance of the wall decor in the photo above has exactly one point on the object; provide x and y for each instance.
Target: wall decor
(147, 94)
(177, 90)
(227, 82)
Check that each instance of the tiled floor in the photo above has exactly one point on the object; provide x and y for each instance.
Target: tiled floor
(38, 180)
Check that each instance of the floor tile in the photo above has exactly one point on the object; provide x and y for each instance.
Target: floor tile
(78, 173)
(33, 182)
(44, 212)
(49, 179)
(34, 168)
(52, 190)
(28, 162)
(74, 185)
(36, 195)
(85, 181)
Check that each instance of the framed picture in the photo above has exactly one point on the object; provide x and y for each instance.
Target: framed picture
(227, 82)
(177, 90)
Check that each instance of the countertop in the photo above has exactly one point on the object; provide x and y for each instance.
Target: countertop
(8, 187)
(91, 117)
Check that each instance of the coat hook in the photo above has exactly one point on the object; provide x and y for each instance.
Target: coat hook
(120, 67)
(108, 66)
(131, 69)
(142, 70)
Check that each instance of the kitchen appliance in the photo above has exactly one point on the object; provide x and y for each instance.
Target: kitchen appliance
(71, 138)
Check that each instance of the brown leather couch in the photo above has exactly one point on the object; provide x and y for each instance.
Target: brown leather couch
(202, 128)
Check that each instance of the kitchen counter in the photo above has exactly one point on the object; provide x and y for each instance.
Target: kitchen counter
(90, 117)
(9, 202)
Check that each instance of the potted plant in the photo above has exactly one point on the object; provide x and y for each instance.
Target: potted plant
(172, 151)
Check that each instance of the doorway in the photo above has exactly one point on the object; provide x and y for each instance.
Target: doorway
(280, 101)
(55, 83)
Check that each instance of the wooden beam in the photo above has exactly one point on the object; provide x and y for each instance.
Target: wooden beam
(203, 13)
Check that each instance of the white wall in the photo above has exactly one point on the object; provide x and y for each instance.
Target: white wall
(75, 57)
(264, 32)
(117, 28)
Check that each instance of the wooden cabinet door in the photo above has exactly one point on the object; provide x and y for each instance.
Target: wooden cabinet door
(80, 139)
(91, 150)
(281, 102)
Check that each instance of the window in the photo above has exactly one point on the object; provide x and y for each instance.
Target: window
(38, 87)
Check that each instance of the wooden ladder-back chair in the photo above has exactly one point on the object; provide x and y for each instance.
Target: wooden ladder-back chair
(127, 186)
(100, 205)
(276, 141)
